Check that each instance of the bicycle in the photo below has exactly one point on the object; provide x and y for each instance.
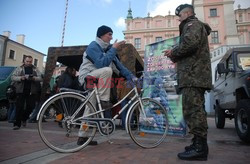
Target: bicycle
(67, 115)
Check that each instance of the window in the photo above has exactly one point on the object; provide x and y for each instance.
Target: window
(158, 23)
(216, 75)
(169, 23)
(138, 43)
(148, 24)
(24, 57)
(213, 12)
(5, 72)
(214, 37)
(240, 18)
(169, 35)
(137, 25)
(158, 39)
(12, 54)
(243, 61)
(128, 26)
(241, 39)
(147, 40)
(35, 62)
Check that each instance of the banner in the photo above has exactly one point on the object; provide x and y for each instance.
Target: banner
(160, 81)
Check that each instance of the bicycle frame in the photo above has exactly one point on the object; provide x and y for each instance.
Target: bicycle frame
(79, 117)
(100, 111)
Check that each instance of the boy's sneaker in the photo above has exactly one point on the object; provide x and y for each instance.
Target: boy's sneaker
(16, 127)
(24, 123)
(82, 140)
(32, 121)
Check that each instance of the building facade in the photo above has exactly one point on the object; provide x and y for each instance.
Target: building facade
(242, 17)
(13, 52)
(229, 26)
(143, 31)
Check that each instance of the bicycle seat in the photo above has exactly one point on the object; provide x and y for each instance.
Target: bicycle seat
(73, 90)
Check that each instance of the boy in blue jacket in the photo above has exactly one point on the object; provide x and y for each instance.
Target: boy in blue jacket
(100, 60)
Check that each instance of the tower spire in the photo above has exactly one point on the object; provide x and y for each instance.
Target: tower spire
(129, 16)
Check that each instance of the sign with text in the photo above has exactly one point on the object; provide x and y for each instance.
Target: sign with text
(160, 84)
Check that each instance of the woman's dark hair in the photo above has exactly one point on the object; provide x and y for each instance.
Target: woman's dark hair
(69, 70)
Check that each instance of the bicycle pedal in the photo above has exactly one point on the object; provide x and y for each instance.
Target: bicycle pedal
(110, 142)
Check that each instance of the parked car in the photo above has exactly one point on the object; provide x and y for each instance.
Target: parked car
(5, 80)
(232, 91)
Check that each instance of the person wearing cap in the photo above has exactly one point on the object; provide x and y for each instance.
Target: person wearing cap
(194, 78)
(100, 60)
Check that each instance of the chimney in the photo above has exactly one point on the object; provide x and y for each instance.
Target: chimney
(20, 38)
(6, 33)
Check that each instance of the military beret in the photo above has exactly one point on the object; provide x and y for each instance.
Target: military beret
(181, 7)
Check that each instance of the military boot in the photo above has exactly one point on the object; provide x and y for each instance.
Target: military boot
(197, 151)
(187, 148)
(190, 146)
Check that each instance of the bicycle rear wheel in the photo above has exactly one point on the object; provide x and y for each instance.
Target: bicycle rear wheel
(57, 127)
(149, 128)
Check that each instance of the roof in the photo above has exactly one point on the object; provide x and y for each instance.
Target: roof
(8, 39)
(238, 49)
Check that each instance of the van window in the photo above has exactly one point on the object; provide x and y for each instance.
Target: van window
(216, 75)
(229, 63)
(5, 72)
(243, 61)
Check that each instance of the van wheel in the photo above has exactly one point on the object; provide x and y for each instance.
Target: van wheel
(242, 120)
(3, 111)
(219, 117)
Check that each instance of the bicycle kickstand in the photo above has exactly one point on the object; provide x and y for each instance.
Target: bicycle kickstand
(109, 139)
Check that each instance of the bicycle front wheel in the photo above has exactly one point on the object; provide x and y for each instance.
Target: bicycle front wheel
(147, 124)
(61, 123)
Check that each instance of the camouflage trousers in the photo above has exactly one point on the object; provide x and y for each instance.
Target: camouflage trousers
(193, 103)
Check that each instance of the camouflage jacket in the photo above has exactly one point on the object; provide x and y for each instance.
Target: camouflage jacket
(192, 55)
(19, 84)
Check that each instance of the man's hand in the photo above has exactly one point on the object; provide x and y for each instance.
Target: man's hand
(168, 53)
(117, 44)
(23, 77)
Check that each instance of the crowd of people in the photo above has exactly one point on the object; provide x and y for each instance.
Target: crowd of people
(100, 60)
(25, 91)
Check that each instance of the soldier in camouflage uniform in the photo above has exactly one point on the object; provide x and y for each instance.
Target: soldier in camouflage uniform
(194, 78)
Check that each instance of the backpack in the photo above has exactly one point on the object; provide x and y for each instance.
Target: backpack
(11, 92)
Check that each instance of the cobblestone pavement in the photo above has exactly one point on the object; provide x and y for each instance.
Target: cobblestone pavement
(25, 146)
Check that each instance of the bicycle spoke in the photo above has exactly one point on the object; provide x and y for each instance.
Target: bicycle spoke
(148, 129)
(58, 129)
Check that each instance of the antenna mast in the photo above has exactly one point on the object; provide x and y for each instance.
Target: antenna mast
(64, 24)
